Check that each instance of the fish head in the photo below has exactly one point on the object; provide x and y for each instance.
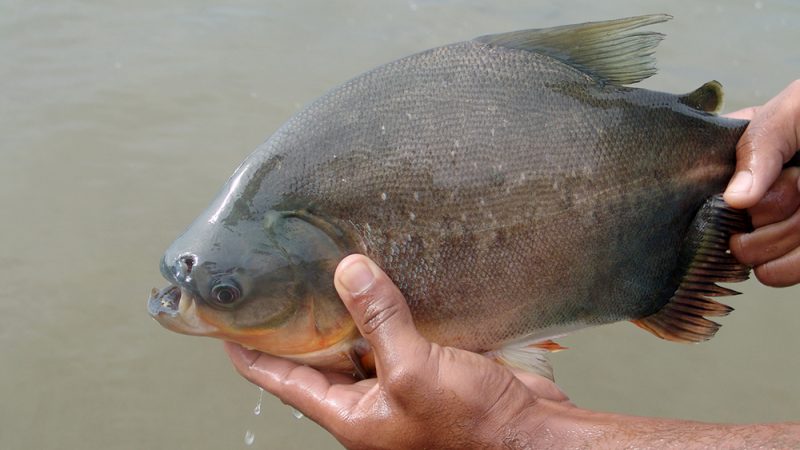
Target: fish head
(266, 284)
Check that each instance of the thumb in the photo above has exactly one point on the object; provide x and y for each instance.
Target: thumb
(379, 311)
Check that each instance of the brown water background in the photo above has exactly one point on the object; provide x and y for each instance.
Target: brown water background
(119, 121)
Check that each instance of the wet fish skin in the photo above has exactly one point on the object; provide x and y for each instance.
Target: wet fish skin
(508, 194)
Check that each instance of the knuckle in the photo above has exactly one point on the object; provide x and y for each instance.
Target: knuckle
(378, 308)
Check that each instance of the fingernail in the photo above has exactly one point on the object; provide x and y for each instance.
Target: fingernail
(741, 182)
(356, 277)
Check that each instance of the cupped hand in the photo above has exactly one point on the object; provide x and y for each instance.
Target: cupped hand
(771, 195)
(424, 396)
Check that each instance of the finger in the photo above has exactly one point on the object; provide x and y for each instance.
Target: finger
(379, 310)
(781, 272)
(780, 202)
(770, 140)
(767, 243)
(299, 386)
(745, 114)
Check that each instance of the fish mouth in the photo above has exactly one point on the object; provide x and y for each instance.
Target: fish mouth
(164, 301)
(176, 310)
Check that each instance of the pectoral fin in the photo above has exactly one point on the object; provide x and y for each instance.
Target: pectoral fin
(530, 356)
(704, 261)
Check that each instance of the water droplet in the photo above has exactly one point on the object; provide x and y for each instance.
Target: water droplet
(249, 437)
(383, 129)
(383, 196)
(759, 5)
(413, 6)
(297, 414)
(416, 196)
(257, 409)
(412, 216)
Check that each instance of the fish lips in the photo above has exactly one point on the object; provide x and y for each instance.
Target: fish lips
(176, 309)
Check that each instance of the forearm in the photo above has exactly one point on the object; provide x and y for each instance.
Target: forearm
(570, 427)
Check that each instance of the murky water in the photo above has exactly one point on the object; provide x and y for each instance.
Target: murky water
(120, 120)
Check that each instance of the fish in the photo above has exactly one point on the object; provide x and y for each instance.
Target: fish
(513, 186)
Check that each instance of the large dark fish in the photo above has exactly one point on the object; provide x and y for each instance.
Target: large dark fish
(510, 185)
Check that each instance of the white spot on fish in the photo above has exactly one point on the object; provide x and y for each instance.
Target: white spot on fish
(384, 196)
(410, 116)
(483, 202)
(383, 129)
(411, 215)
(416, 196)
(492, 131)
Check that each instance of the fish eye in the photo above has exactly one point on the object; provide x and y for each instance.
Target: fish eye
(225, 293)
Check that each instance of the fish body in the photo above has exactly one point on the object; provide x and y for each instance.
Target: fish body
(511, 186)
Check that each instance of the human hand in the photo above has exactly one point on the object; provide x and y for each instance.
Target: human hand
(772, 197)
(773, 249)
(424, 396)
(771, 139)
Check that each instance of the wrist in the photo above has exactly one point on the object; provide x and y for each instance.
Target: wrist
(550, 424)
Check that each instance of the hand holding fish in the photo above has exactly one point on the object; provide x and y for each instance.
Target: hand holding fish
(425, 395)
(771, 196)
(429, 396)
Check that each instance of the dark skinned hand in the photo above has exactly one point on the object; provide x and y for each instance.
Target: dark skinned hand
(771, 196)
(405, 404)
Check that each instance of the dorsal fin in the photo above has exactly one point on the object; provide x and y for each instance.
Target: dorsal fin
(607, 50)
(704, 261)
(707, 97)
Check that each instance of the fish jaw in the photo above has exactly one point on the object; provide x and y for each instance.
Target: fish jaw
(341, 349)
(176, 310)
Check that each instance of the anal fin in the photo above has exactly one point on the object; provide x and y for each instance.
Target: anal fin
(703, 262)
